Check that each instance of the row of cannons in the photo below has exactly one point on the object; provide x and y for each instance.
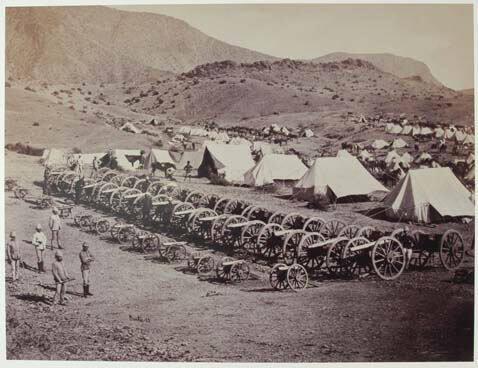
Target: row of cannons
(299, 246)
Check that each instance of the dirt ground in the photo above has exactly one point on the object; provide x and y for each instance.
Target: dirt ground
(143, 309)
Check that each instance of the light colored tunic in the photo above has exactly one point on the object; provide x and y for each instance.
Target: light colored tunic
(39, 240)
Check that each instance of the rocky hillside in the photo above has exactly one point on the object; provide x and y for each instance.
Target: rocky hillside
(399, 66)
(100, 44)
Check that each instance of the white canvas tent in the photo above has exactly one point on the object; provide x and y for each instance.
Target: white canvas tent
(416, 130)
(344, 153)
(460, 136)
(396, 129)
(130, 128)
(275, 167)
(392, 156)
(230, 160)
(425, 156)
(407, 159)
(240, 141)
(407, 129)
(331, 177)
(470, 139)
(399, 143)
(428, 195)
(439, 132)
(449, 133)
(88, 158)
(379, 144)
(127, 160)
(194, 158)
(185, 130)
(158, 156)
(55, 157)
(426, 131)
(389, 128)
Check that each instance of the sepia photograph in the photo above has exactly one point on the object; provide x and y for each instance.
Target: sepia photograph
(239, 182)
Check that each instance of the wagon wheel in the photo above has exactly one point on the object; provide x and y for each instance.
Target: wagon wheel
(331, 228)
(268, 244)
(290, 247)
(239, 272)
(208, 200)
(151, 243)
(67, 181)
(108, 175)
(170, 189)
(135, 209)
(102, 226)
(349, 231)
(194, 222)
(154, 188)
(85, 223)
(278, 276)
(235, 206)
(388, 258)
(257, 213)
(114, 230)
(176, 219)
(249, 235)
(221, 271)
(216, 227)
(424, 255)
(194, 197)
(20, 193)
(205, 265)
(124, 201)
(452, 250)
(77, 218)
(313, 224)
(311, 260)
(334, 259)
(366, 232)
(101, 195)
(138, 239)
(297, 277)
(118, 179)
(140, 184)
(246, 210)
(293, 221)
(220, 205)
(356, 262)
(115, 200)
(277, 217)
(175, 253)
(128, 181)
(397, 233)
(230, 237)
(125, 233)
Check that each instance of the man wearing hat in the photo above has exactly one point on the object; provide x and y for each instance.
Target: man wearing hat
(39, 242)
(55, 227)
(86, 258)
(60, 276)
(14, 256)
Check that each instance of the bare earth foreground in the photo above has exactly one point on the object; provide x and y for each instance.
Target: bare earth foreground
(146, 310)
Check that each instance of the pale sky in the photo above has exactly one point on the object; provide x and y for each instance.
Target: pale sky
(439, 35)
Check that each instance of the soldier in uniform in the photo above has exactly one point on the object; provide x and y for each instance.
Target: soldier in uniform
(86, 258)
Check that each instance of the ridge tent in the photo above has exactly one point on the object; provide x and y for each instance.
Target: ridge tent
(407, 159)
(223, 137)
(460, 136)
(399, 143)
(470, 139)
(392, 156)
(275, 167)
(194, 158)
(426, 131)
(425, 156)
(213, 135)
(240, 141)
(130, 128)
(344, 153)
(379, 144)
(449, 133)
(331, 177)
(231, 160)
(55, 157)
(388, 128)
(439, 132)
(396, 129)
(185, 130)
(407, 129)
(428, 195)
(416, 130)
(158, 156)
(127, 159)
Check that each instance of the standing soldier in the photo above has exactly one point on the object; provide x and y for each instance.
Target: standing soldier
(188, 169)
(14, 256)
(55, 227)
(60, 276)
(96, 165)
(80, 183)
(86, 258)
(46, 174)
(39, 242)
(147, 206)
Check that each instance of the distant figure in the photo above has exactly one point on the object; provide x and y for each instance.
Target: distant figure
(46, 186)
(188, 169)
(194, 146)
(96, 165)
(60, 276)
(79, 166)
(147, 206)
(55, 227)
(80, 183)
(14, 256)
(86, 258)
(39, 242)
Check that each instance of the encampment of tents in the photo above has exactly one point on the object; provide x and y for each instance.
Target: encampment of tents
(230, 160)
(439, 132)
(379, 144)
(275, 167)
(407, 130)
(428, 195)
(331, 177)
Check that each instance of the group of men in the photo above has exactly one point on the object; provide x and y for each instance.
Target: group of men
(58, 269)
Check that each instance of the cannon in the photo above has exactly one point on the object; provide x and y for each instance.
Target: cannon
(283, 276)
(230, 270)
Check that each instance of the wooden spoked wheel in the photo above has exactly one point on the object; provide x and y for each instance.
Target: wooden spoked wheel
(177, 219)
(249, 235)
(125, 200)
(104, 190)
(221, 270)
(452, 250)
(277, 218)
(109, 175)
(246, 210)
(290, 247)
(125, 234)
(239, 272)
(151, 243)
(216, 227)
(117, 179)
(356, 262)
(154, 188)
(293, 221)
(350, 231)
(313, 224)
(235, 206)
(195, 224)
(278, 276)
(194, 197)
(205, 265)
(175, 253)
(297, 277)
(221, 205)
(128, 181)
(309, 256)
(208, 200)
(230, 237)
(334, 260)
(331, 228)
(268, 244)
(258, 213)
(85, 222)
(366, 232)
(102, 226)
(142, 185)
(388, 258)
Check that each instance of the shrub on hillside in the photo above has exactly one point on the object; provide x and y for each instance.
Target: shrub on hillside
(76, 150)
